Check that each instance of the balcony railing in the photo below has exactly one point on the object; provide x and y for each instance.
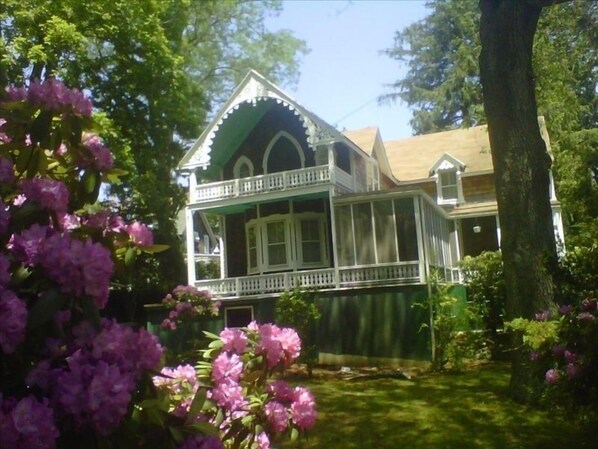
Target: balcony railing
(273, 182)
(392, 274)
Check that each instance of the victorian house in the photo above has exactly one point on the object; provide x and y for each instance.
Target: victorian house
(363, 222)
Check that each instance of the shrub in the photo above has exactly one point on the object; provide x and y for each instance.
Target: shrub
(484, 280)
(563, 351)
(296, 309)
(67, 377)
(452, 324)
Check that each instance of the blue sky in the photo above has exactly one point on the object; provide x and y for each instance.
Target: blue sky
(344, 73)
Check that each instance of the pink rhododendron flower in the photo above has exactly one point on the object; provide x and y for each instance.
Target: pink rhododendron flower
(234, 340)
(99, 156)
(303, 408)
(277, 416)
(180, 382)
(229, 395)
(78, 267)
(552, 376)
(278, 344)
(140, 234)
(27, 424)
(48, 193)
(202, 442)
(27, 246)
(55, 96)
(281, 391)
(68, 222)
(262, 440)
(227, 367)
(13, 321)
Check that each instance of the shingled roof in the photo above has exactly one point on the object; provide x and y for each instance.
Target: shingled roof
(412, 158)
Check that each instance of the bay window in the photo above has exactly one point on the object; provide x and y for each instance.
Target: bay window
(286, 242)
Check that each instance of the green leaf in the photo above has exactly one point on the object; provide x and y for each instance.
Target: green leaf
(155, 249)
(176, 434)
(197, 404)
(216, 344)
(45, 308)
(130, 256)
(89, 181)
(211, 335)
(90, 310)
(40, 128)
(24, 158)
(203, 427)
(294, 434)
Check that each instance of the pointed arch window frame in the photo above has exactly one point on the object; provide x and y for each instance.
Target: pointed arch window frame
(273, 141)
(243, 160)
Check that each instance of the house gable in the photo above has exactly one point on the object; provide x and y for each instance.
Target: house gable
(250, 101)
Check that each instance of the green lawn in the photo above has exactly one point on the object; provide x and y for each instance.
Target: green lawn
(469, 410)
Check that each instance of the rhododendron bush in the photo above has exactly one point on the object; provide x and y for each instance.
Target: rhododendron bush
(564, 352)
(69, 378)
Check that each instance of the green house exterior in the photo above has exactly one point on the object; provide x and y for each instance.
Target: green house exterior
(283, 199)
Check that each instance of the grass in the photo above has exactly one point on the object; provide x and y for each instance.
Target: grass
(469, 410)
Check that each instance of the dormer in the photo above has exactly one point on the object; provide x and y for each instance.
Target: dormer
(447, 171)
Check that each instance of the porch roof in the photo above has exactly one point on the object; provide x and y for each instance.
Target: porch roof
(474, 209)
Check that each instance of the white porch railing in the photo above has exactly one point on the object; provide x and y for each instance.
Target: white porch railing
(402, 273)
(273, 182)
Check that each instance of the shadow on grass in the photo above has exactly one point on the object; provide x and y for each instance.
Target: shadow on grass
(470, 410)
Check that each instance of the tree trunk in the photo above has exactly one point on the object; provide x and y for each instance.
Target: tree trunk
(521, 165)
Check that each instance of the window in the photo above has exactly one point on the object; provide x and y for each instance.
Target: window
(276, 243)
(283, 153)
(286, 242)
(447, 171)
(448, 185)
(311, 241)
(364, 244)
(252, 249)
(394, 224)
(243, 168)
(238, 316)
(386, 242)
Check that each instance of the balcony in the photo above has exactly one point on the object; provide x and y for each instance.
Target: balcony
(320, 175)
(324, 279)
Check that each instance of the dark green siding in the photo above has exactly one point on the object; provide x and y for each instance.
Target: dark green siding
(378, 322)
(373, 322)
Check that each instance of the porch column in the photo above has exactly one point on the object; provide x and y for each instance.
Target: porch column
(192, 187)
(222, 243)
(331, 169)
(334, 241)
(420, 229)
(190, 241)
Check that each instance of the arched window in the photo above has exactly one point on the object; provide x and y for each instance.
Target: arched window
(283, 153)
(243, 168)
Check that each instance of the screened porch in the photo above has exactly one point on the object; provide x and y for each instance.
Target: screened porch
(376, 240)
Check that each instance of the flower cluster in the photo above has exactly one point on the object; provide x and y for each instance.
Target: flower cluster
(569, 362)
(69, 378)
(64, 372)
(97, 156)
(52, 95)
(26, 423)
(188, 303)
(90, 380)
(48, 193)
(279, 345)
(240, 398)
